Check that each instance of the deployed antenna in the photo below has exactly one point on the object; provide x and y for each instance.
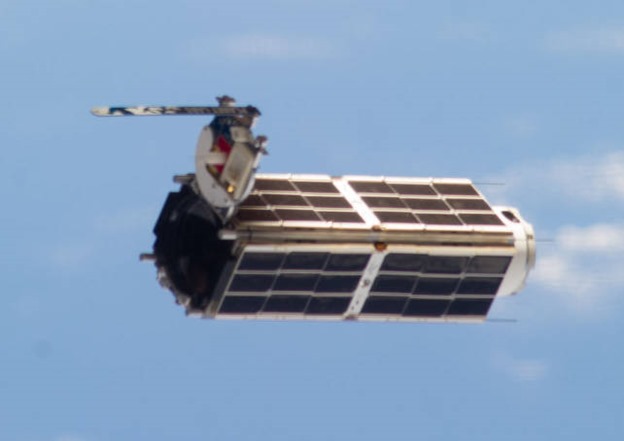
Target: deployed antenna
(227, 152)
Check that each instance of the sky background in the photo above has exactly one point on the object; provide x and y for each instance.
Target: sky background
(524, 94)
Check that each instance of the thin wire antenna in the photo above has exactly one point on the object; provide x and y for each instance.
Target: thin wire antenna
(501, 320)
(546, 240)
(490, 184)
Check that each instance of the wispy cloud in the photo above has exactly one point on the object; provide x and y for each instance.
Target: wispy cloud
(595, 40)
(591, 178)
(523, 370)
(581, 268)
(270, 47)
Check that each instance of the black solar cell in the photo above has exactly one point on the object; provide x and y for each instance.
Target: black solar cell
(315, 186)
(328, 305)
(251, 282)
(306, 261)
(241, 304)
(445, 264)
(479, 285)
(370, 187)
(400, 217)
(394, 284)
(403, 262)
(414, 189)
(261, 261)
(347, 262)
(285, 303)
(436, 286)
(480, 219)
(455, 189)
(426, 308)
(489, 264)
(471, 307)
(469, 204)
(296, 282)
(338, 284)
(384, 305)
(426, 204)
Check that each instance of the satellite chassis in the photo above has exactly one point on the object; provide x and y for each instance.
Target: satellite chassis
(231, 243)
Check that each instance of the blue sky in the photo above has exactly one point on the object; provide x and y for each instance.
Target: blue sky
(525, 94)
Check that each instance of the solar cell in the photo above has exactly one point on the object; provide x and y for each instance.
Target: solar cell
(445, 264)
(479, 285)
(273, 184)
(285, 200)
(413, 189)
(297, 215)
(455, 189)
(371, 187)
(403, 262)
(426, 204)
(383, 202)
(315, 186)
(251, 282)
(439, 219)
(249, 215)
(426, 307)
(328, 202)
(341, 216)
(261, 261)
(489, 264)
(469, 204)
(436, 286)
(328, 305)
(347, 262)
(396, 217)
(337, 284)
(286, 303)
(394, 284)
(384, 305)
(242, 304)
(305, 261)
(480, 219)
(470, 307)
(296, 282)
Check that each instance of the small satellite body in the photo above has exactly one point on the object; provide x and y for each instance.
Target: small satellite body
(235, 244)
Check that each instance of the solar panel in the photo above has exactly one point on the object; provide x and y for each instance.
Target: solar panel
(366, 248)
(326, 201)
(309, 281)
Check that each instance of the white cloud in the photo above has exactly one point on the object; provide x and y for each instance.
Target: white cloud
(583, 268)
(592, 178)
(276, 47)
(598, 238)
(597, 40)
(524, 370)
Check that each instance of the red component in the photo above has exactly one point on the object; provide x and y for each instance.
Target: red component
(223, 146)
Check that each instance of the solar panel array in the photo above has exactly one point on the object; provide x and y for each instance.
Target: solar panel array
(283, 199)
(408, 286)
(362, 201)
(435, 203)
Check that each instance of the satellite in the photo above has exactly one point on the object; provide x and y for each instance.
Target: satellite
(232, 243)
